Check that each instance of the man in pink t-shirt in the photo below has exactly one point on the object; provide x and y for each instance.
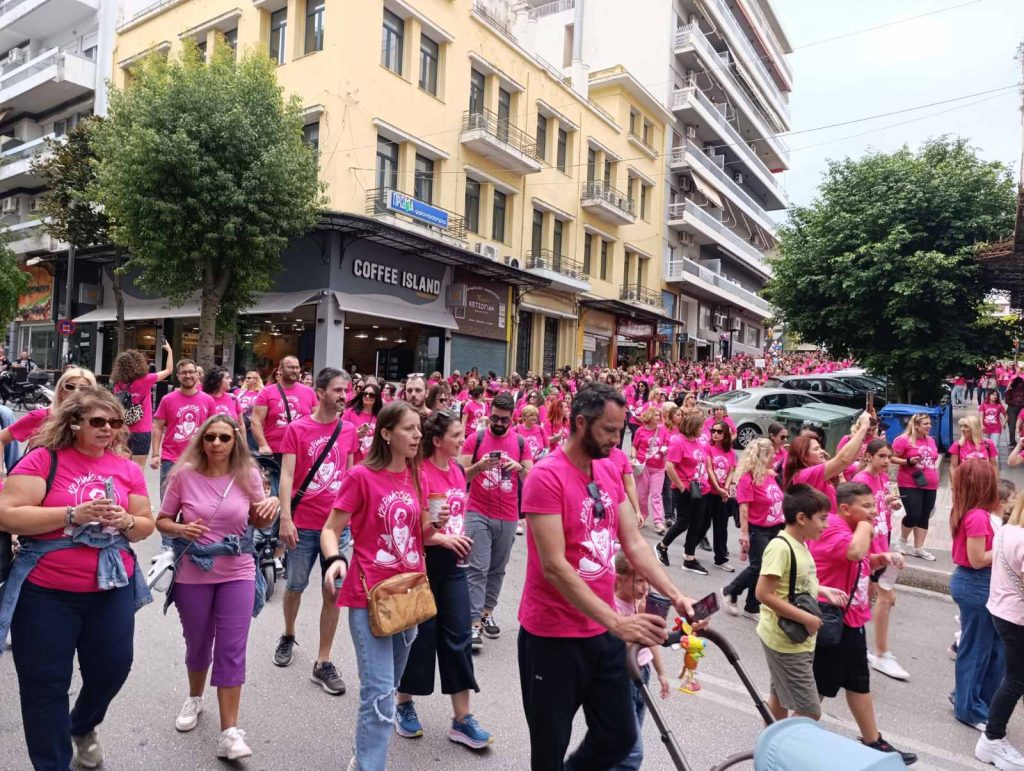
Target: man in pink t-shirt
(178, 418)
(280, 404)
(571, 640)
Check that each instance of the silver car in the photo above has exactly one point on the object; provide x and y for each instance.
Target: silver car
(753, 409)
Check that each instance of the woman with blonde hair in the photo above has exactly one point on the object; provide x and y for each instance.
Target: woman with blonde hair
(650, 445)
(971, 444)
(77, 502)
(131, 377)
(919, 461)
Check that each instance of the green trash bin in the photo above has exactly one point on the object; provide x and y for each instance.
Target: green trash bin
(834, 420)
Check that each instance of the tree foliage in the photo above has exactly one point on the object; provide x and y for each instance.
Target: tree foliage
(205, 176)
(880, 266)
(13, 282)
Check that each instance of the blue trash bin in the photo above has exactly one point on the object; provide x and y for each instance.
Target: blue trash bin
(896, 417)
(801, 744)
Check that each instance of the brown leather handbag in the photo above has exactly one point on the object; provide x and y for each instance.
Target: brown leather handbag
(399, 603)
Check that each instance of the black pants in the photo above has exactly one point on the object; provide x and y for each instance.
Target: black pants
(689, 514)
(716, 519)
(918, 505)
(558, 675)
(666, 498)
(49, 626)
(1012, 688)
(747, 580)
(445, 637)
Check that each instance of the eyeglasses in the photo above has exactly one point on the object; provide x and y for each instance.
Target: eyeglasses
(211, 438)
(71, 387)
(595, 496)
(499, 421)
(717, 431)
(188, 373)
(98, 422)
(371, 394)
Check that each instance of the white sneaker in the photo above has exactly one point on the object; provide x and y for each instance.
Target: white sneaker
(231, 744)
(925, 555)
(189, 715)
(730, 604)
(352, 764)
(887, 665)
(751, 616)
(519, 529)
(901, 546)
(999, 752)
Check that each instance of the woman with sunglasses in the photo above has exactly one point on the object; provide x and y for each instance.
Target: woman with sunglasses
(439, 397)
(362, 412)
(218, 492)
(722, 473)
(27, 426)
(919, 463)
(75, 584)
(131, 374)
(971, 444)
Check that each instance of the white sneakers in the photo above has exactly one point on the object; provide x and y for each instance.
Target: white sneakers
(887, 665)
(189, 715)
(730, 604)
(1000, 753)
(900, 547)
(231, 744)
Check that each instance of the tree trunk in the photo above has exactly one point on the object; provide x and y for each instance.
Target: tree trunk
(214, 287)
(118, 300)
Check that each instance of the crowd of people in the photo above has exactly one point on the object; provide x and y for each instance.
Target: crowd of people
(426, 487)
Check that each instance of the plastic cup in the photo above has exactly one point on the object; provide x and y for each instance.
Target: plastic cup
(657, 604)
(887, 580)
(434, 502)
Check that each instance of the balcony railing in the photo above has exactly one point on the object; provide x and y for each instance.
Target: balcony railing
(766, 29)
(736, 244)
(677, 269)
(737, 36)
(545, 259)
(26, 150)
(641, 294)
(701, 159)
(502, 130)
(642, 142)
(600, 190)
(548, 9)
(377, 203)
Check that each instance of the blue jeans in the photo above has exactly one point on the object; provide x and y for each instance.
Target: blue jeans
(980, 665)
(10, 450)
(381, 661)
(635, 758)
(306, 553)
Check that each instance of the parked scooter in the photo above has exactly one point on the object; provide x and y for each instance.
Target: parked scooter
(23, 393)
(267, 540)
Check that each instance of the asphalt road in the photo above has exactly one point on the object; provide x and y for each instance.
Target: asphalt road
(292, 724)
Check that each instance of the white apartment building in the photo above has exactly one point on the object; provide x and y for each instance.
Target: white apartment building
(54, 63)
(720, 67)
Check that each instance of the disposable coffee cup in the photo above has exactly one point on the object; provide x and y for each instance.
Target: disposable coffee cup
(434, 502)
(657, 604)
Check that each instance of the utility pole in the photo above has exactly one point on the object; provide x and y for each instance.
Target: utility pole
(69, 306)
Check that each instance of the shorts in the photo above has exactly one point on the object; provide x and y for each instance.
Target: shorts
(918, 505)
(792, 680)
(139, 443)
(305, 554)
(844, 665)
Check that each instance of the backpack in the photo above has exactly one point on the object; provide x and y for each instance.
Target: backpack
(133, 412)
(480, 439)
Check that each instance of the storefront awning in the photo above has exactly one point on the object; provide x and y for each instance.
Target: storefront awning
(139, 309)
(626, 310)
(531, 308)
(391, 310)
(709, 192)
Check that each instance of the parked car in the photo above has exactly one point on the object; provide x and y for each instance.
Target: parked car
(753, 409)
(828, 388)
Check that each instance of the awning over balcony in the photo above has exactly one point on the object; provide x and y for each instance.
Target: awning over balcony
(705, 188)
(619, 308)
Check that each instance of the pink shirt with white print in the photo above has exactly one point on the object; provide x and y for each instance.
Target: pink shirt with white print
(722, 462)
(879, 484)
(494, 493)
(689, 457)
(226, 404)
(835, 570)
(924, 449)
(363, 443)
(651, 445)
(183, 415)
(535, 438)
(764, 501)
(452, 484)
(991, 417)
(301, 401)
(306, 439)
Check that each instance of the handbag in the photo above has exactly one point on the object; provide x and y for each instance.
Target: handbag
(794, 630)
(695, 493)
(831, 632)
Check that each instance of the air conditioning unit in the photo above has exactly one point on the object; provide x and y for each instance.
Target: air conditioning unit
(734, 326)
(686, 239)
(738, 177)
(16, 56)
(35, 205)
(490, 251)
(691, 132)
(10, 205)
(512, 261)
(709, 149)
(718, 319)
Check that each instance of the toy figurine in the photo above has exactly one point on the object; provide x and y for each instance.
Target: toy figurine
(694, 652)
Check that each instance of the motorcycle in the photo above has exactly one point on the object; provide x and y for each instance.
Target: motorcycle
(266, 540)
(23, 393)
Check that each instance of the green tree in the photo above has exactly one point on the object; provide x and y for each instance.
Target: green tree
(880, 266)
(13, 281)
(204, 174)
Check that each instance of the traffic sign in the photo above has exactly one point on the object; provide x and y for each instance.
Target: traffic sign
(66, 327)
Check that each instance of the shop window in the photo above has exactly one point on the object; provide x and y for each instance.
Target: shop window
(430, 56)
(423, 180)
(498, 216)
(392, 35)
(477, 84)
(472, 205)
(542, 137)
(387, 163)
(314, 26)
(278, 29)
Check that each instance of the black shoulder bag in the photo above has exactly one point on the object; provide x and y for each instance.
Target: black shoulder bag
(6, 539)
(284, 402)
(297, 496)
(794, 630)
(831, 632)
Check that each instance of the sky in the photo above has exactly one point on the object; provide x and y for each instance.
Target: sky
(966, 50)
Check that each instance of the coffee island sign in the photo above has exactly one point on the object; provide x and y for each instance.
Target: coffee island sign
(387, 274)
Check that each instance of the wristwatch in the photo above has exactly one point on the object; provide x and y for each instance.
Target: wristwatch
(70, 516)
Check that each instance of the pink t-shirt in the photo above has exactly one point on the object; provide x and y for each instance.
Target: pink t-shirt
(924, 449)
(651, 446)
(764, 501)
(976, 524)
(25, 428)
(1004, 601)
(363, 442)
(557, 487)
(472, 413)
(493, 493)
(246, 401)
(80, 478)
(854, 468)
(835, 570)
(183, 416)
(722, 462)
(535, 438)
(306, 439)
(452, 484)
(387, 530)
(621, 461)
(302, 401)
(141, 390)
(198, 496)
(557, 435)
(644, 656)
(815, 477)
(991, 417)
(883, 522)
(965, 449)
(689, 458)
(226, 404)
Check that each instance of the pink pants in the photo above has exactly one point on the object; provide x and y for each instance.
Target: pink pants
(648, 490)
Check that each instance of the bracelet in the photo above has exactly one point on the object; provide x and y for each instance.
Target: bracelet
(129, 527)
(70, 516)
(336, 558)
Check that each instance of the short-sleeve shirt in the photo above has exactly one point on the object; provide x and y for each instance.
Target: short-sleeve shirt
(965, 449)
(651, 445)
(80, 478)
(183, 415)
(815, 477)
(26, 427)
(493, 493)
(722, 462)
(689, 456)
(246, 401)
(452, 484)
(854, 468)
(883, 521)
(302, 401)
(777, 560)
(226, 404)
(621, 461)
(764, 501)
(924, 449)
(835, 570)
(387, 530)
(535, 438)
(306, 439)
(141, 390)
(976, 523)
(1004, 601)
(556, 487)
(991, 417)
(363, 442)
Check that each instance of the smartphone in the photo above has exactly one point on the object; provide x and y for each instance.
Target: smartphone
(703, 608)
(869, 402)
(496, 455)
(108, 488)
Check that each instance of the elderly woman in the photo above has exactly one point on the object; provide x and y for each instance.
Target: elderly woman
(76, 501)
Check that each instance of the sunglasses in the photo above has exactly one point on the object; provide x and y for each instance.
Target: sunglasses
(211, 438)
(71, 387)
(717, 431)
(98, 422)
(371, 394)
(595, 496)
(499, 421)
(783, 437)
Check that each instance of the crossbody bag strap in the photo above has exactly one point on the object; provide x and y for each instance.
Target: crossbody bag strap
(1015, 580)
(297, 497)
(284, 401)
(853, 588)
(792, 570)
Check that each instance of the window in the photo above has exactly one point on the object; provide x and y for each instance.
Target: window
(542, 137)
(231, 38)
(201, 49)
(472, 205)
(587, 243)
(391, 42)
(498, 216)
(647, 132)
(387, 163)
(568, 44)
(704, 317)
(476, 91)
(563, 149)
(311, 135)
(604, 260)
(423, 180)
(556, 247)
(634, 121)
(504, 113)
(643, 201)
(608, 172)
(537, 233)
(314, 26)
(278, 26)
(430, 55)
(591, 164)
(90, 53)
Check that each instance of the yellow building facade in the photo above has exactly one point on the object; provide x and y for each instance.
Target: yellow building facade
(436, 126)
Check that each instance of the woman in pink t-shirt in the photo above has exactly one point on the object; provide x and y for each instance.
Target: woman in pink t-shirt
(807, 462)
(778, 434)
(382, 500)
(650, 446)
(362, 412)
(979, 658)
(722, 476)
(217, 384)
(686, 468)
(993, 416)
(971, 444)
(919, 461)
(217, 492)
(131, 374)
(854, 468)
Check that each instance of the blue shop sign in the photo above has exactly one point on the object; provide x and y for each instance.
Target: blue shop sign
(411, 207)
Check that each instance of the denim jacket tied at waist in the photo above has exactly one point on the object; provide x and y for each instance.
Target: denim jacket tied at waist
(203, 556)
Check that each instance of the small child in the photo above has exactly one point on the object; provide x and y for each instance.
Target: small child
(630, 593)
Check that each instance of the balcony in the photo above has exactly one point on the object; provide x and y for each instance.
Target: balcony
(30, 238)
(691, 39)
(16, 163)
(563, 273)
(766, 35)
(706, 229)
(609, 204)
(22, 20)
(416, 216)
(498, 140)
(716, 287)
(50, 79)
(641, 295)
(643, 144)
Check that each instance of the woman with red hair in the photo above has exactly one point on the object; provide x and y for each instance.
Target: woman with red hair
(558, 422)
(807, 462)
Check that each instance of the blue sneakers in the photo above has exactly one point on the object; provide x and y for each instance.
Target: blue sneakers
(407, 722)
(469, 732)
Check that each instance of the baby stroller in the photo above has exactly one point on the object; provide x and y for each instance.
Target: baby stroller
(794, 744)
(267, 540)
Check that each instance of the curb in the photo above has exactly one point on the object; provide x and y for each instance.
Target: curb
(930, 579)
